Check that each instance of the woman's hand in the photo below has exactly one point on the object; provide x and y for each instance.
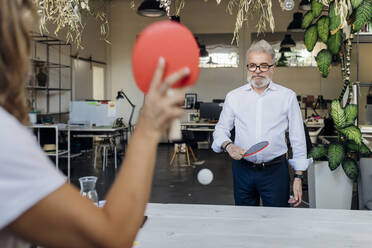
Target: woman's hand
(160, 108)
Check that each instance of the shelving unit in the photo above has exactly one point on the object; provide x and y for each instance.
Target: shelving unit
(51, 49)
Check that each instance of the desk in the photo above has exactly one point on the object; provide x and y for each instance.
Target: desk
(103, 132)
(198, 126)
(366, 131)
(211, 226)
(97, 129)
(314, 130)
(58, 128)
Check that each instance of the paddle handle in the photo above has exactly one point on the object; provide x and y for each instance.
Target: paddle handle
(174, 131)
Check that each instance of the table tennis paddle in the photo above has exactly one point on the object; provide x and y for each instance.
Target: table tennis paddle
(256, 148)
(177, 45)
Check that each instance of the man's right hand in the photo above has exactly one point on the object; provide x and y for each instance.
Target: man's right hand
(235, 152)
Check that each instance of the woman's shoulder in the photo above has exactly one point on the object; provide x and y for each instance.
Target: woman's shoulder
(11, 130)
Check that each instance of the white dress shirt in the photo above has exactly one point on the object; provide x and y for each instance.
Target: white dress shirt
(264, 117)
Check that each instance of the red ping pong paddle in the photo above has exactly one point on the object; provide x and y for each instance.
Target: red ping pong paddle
(176, 44)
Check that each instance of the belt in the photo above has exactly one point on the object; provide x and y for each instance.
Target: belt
(263, 165)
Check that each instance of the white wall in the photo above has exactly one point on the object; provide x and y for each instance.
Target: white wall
(207, 17)
(93, 46)
(199, 17)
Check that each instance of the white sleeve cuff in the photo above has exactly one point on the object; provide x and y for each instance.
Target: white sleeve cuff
(300, 164)
(217, 143)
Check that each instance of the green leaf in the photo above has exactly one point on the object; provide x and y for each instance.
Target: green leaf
(356, 3)
(324, 60)
(351, 169)
(351, 112)
(334, 20)
(311, 36)
(318, 152)
(336, 154)
(364, 150)
(352, 133)
(363, 14)
(316, 8)
(352, 146)
(307, 20)
(334, 42)
(338, 114)
(323, 28)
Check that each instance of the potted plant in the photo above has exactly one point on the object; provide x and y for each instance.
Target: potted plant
(330, 185)
(365, 182)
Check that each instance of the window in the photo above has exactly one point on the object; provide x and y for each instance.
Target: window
(220, 56)
(298, 56)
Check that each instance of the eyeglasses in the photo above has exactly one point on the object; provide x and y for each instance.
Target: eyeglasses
(264, 67)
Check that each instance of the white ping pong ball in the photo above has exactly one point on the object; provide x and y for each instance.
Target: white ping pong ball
(205, 176)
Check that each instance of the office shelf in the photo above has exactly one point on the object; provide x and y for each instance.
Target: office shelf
(45, 88)
(50, 64)
(56, 69)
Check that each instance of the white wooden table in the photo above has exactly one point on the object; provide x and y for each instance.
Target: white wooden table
(211, 226)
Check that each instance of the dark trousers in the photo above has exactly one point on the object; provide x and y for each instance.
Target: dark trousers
(271, 184)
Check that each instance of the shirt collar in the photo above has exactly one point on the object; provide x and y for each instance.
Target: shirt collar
(272, 86)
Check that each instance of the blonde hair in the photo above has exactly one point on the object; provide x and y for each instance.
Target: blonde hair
(16, 17)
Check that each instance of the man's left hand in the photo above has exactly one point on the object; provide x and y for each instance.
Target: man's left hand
(297, 193)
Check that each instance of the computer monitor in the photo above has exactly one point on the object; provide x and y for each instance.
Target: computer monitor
(210, 111)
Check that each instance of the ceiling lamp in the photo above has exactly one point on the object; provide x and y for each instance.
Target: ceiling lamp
(295, 25)
(175, 18)
(288, 41)
(305, 5)
(151, 8)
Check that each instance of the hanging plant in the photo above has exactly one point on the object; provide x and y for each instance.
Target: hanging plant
(323, 28)
(334, 42)
(243, 9)
(324, 60)
(307, 20)
(67, 14)
(316, 8)
(311, 36)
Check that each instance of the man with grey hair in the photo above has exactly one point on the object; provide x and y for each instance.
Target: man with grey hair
(262, 110)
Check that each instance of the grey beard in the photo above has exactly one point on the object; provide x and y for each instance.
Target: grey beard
(264, 83)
